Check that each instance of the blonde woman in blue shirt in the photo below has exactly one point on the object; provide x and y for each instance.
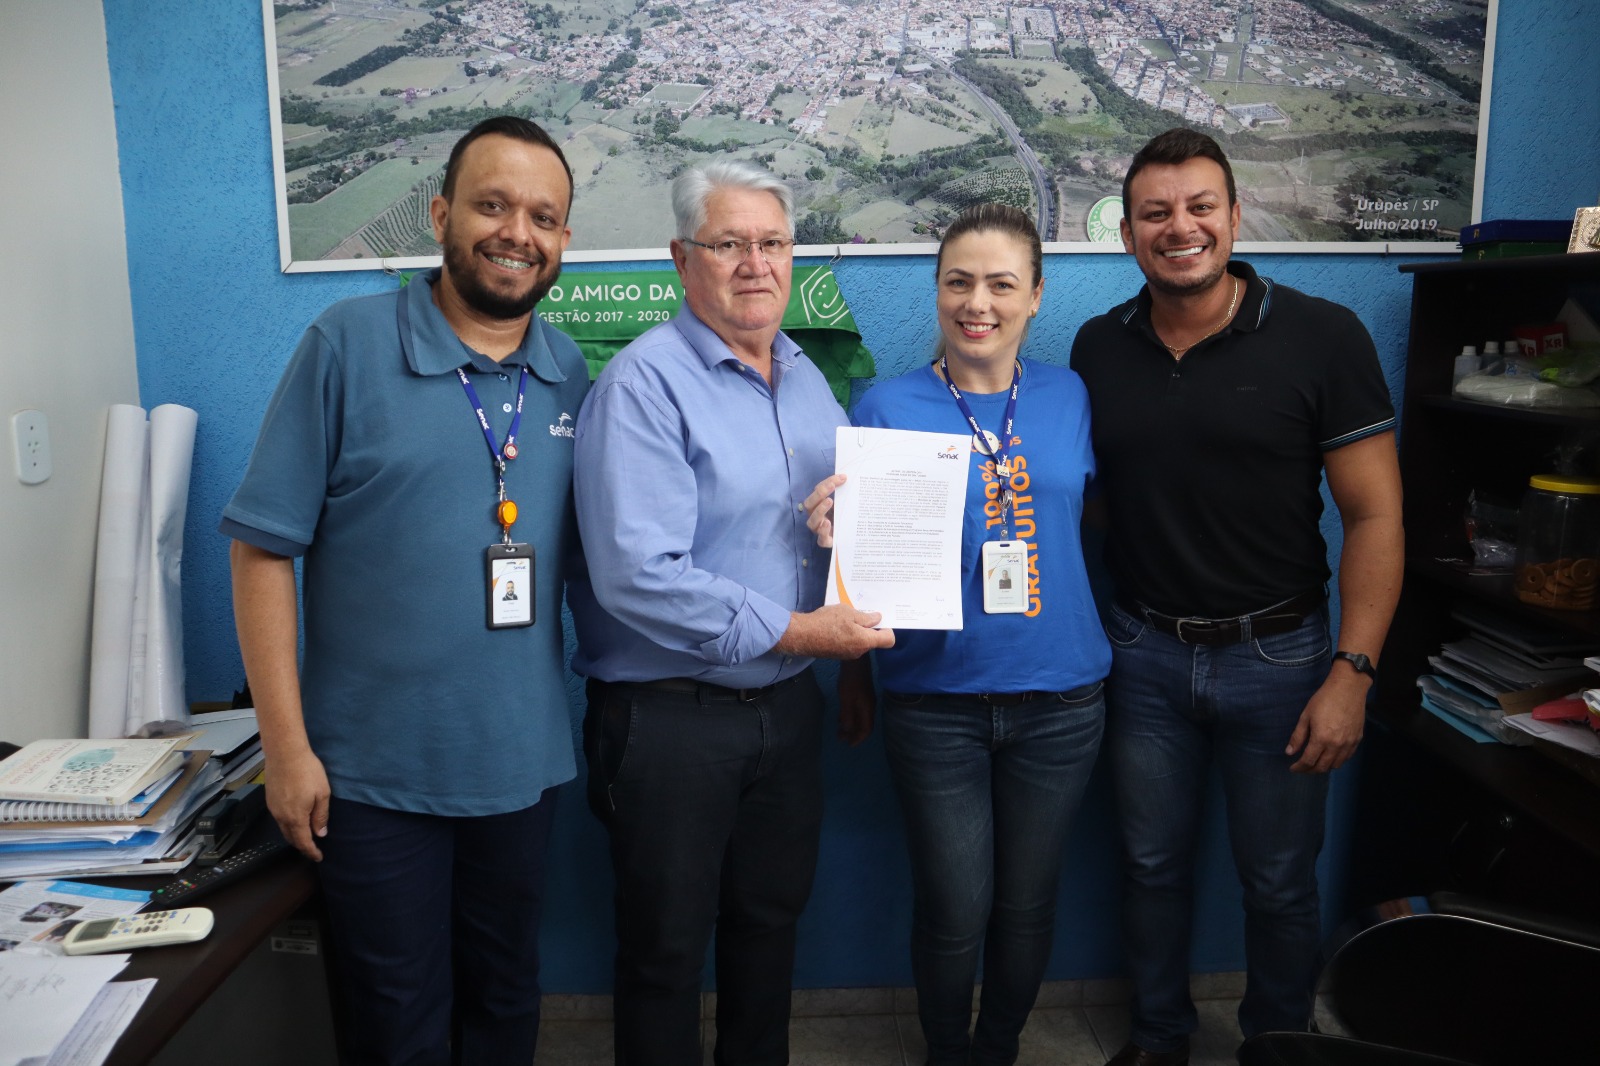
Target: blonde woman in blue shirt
(991, 731)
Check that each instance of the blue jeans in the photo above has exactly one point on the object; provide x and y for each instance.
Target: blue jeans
(1174, 709)
(714, 810)
(987, 793)
(435, 929)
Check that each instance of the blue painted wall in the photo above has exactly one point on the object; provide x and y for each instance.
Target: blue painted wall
(215, 321)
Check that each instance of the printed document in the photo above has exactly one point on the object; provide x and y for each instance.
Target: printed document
(897, 525)
(43, 996)
(36, 916)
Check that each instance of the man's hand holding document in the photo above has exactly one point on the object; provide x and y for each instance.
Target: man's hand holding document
(896, 517)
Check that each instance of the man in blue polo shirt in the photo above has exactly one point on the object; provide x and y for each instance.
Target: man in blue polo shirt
(416, 752)
(697, 622)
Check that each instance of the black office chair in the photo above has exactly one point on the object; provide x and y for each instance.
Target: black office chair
(1454, 977)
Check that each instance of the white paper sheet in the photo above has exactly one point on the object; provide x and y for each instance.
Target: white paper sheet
(897, 525)
(43, 996)
(109, 1014)
(116, 565)
(1574, 735)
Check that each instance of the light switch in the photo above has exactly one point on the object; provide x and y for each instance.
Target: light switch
(30, 434)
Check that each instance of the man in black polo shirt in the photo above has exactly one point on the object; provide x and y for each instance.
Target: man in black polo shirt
(1218, 401)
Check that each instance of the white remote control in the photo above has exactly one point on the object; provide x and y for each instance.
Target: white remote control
(139, 931)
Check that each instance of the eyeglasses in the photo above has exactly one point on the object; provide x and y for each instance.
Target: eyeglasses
(772, 249)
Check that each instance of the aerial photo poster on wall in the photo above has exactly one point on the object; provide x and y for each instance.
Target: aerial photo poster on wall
(1353, 125)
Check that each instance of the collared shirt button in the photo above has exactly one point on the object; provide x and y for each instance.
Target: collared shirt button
(506, 408)
(799, 507)
(504, 377)
(791, 451)
(805, 562)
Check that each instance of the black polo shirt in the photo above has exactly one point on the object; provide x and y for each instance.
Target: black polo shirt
(1211, 466)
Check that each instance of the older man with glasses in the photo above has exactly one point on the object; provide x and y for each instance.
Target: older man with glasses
(697, 622)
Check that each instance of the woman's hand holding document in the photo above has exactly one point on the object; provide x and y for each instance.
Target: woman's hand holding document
(894, 521)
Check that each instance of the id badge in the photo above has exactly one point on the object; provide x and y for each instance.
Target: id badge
(1005, 577)
(510, 585)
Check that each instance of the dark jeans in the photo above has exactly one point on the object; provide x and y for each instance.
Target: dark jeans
(1174, 710)
(987, 792)
(435, 929)
(714, 808)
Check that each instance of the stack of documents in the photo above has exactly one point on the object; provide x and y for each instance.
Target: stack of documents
(233, 741)
(1502, 667)
(91, 826)
(151, 833)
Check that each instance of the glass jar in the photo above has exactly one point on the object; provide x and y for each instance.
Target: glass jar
(1558, 542)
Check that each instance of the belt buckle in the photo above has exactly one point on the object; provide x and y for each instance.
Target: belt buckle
(1178, 624)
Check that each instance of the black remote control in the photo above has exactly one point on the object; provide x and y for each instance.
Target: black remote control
(185, 890)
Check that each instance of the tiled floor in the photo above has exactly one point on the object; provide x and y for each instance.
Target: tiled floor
(1077, 1023)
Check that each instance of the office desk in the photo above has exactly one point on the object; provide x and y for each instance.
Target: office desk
(186, 974)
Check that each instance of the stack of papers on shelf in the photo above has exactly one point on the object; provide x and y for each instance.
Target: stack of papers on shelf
(58, 840)
(233, 740)
(95, 827)
(1577, 737)
(1505, 666)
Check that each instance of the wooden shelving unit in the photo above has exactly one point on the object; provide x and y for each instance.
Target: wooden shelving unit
(1437, 810)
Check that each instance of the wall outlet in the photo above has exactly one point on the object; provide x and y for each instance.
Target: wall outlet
(30, 434)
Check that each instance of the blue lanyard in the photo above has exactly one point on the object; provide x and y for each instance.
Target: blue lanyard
(498, 454)
(1002, 458)
(505, 510)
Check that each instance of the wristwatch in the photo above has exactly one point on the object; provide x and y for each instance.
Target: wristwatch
(1359, 661)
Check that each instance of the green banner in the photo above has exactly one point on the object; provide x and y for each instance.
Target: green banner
(605, 310)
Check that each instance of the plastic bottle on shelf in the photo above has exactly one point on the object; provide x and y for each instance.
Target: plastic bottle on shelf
(1466, 364)
(1490, 362)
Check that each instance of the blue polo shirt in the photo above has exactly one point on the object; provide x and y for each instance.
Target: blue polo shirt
(691, 472)
(372, 466)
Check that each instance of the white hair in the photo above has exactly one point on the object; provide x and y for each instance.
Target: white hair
(694, 187)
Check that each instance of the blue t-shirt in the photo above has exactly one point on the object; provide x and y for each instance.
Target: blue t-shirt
(1059, 643)
(372, 464)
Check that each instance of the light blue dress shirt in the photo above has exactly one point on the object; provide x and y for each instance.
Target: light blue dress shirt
(689, 479)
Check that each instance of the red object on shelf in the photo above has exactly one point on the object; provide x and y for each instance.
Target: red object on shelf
(1534, 341)
(1568, 709)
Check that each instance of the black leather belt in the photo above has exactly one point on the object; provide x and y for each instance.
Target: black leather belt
(1007, 699)
(703, 691)
(1279, 618)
